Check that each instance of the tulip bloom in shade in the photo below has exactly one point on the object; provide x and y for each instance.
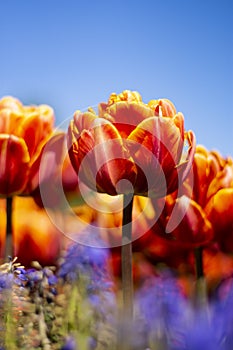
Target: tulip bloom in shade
(134, 141)
(213, 191)
(211, 173)
(220, 209)
(24, 130)
(190, 226)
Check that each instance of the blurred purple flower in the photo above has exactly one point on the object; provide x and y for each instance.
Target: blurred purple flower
(6, 281)
(161, 307)
(70, 344)
(223, 314)
(89, 261)
(200, 330)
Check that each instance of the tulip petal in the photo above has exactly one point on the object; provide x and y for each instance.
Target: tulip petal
(161, 136)
(126, 116)
(205, 168)
(222, 180)
(112, 160)
(184, 168)
(36, 126)
(101, 159)
(155, 147)
(14, 165)
(9, 102)
(10, 121)
(45, 167)
(219, 211)
(163, 107)
(84, 121)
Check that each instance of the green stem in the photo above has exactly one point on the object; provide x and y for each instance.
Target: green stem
(126, 257)
(9, 238)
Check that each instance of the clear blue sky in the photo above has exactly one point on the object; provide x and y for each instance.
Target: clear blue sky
(72, 54)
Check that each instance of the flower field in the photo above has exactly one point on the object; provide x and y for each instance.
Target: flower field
(115, 233)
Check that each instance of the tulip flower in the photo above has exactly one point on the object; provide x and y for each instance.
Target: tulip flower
(219, 211)
(24, 132)
(131, 148)
(213, 191)
(134, 141)
(211, 173)
(191, 228)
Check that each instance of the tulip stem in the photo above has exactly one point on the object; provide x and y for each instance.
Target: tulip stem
(126, 257)
(201, 287)
(9, 238)
(199, 262)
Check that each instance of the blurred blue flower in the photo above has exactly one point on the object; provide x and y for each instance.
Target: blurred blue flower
(161, 307)
(92, 343)
(70, 344)
(223, 314)
(6, 280)
(200, 331)
(87, 261)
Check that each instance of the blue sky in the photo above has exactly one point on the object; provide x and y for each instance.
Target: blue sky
(72, 54)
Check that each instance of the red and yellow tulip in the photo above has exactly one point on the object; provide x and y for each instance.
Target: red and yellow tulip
(24, 130)
(131, 146)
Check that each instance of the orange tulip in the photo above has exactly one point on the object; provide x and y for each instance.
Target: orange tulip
(207, 214)
(211, 173)
(24, 130)
(185, 223)
(131, 146)
(213, 191)
(219, 211)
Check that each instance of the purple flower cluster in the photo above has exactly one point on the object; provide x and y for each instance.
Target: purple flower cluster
(35, 279)
(173, 322)
(164, 317)
(161, 307)
(87, 266)
(84, 260)
(70, 344)
(6, 281)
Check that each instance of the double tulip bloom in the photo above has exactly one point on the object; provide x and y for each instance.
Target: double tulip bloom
(203, 212)
(213, 191)
(131, 146)
(24, 132)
